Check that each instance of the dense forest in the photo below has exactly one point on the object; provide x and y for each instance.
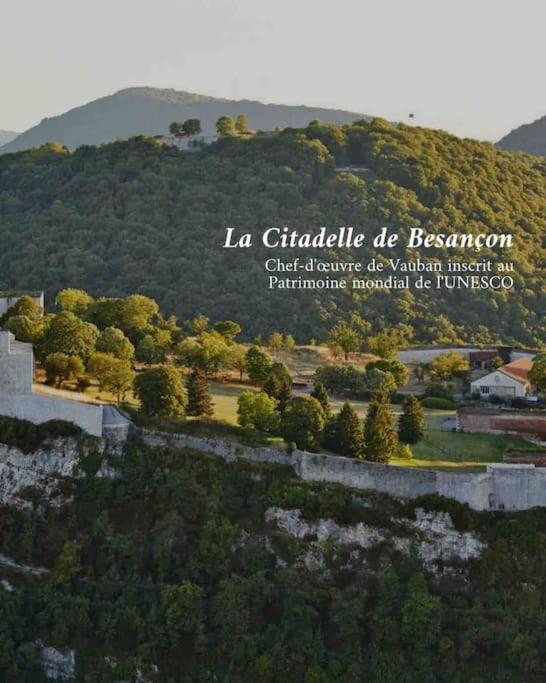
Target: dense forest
(174, 565)
(138, 216)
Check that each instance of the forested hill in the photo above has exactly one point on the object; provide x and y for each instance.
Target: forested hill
(139, 217)
(150, 111)
(529, 138)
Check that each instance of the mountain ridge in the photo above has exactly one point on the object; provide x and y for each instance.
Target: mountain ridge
(529, 138)
(149, 110)
(7, 136)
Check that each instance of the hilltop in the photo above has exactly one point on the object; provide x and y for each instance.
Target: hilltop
(138, 216)
(7, 136)
(529, 138)
(151, 110)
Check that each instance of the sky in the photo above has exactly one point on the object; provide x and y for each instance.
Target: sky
(473, 67)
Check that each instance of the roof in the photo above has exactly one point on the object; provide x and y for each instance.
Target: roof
(518, 369)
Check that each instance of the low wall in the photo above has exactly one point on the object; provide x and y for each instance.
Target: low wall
(497, 421)
(500, 487)
(38, 408)
(427, 355)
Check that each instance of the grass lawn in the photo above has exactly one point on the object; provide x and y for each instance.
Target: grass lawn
(440, 449)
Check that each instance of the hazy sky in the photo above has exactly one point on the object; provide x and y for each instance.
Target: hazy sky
(474, 67)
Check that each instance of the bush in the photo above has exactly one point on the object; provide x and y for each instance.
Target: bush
(519, 402)
(438, 403)
(438, 390)
(28, 437)
(496, 400)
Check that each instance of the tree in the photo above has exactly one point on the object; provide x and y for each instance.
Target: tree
(397, 369)
(66, 333)
(349, 434)
(236, 359)
(448, 365)
(113, 374)
(199, 399)
(319, 392)
(275, 341)
(537, 373)
(225, 126)
(74, 300)
(288, 342)
(161, 392)
(345, 337)
(278, 385)
(411, 425)
(25, 329)
(60, 367)
(177, 129)
(191, 128)
(379, 434)
(24, 306)
(241, 124)
(341, 379)
(303, 422)
(381, 384)
(228, 329)
(209, 352)
(150, 351)
(112, 340)
(199, 324)
(258, 364)
(257, 411)
(137, 312)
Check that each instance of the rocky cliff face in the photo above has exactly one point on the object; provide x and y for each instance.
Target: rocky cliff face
(432, 534)
(44, 470)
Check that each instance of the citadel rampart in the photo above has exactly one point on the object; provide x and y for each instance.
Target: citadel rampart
(500, 487)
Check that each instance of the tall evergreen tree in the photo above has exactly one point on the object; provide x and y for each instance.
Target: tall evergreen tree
(199, 399)
(349, 433)
(278, 385)
(319, 392)
(411, 426)
(380, 436)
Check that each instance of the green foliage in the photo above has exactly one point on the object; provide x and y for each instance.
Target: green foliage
(396, 368)
(208, 352)
(112, 340)
(28, 437)
(346, 435)
(342, 335)
(341, 379)
(225, 126)
(258, 365)
(449, 365)
(278, 385)
(158, 225)
(74, 300)
(161, 392)
(411, 424)
(60, 367)
(537, 374)
(258, 411)
(114, 374)
(319, 392)
(438, 403)
(379, 434)
(303, 422)
(68, 334)
(199, 399)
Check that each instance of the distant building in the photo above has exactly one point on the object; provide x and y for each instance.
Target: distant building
(509, 381)
(17, 399)
(9, 299)
(482, 360)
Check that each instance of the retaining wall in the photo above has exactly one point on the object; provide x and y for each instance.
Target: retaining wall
(38, 408)
(500, 487)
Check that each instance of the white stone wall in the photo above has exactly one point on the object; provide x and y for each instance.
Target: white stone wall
(38, 409)
(500, 487)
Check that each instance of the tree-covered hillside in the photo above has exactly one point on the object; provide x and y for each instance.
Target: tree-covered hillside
(133, 111)
(140, 217)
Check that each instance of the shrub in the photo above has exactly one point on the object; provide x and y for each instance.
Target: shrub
(438, 403)
(28, 437)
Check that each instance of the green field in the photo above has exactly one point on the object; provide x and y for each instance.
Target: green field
(440, 449)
